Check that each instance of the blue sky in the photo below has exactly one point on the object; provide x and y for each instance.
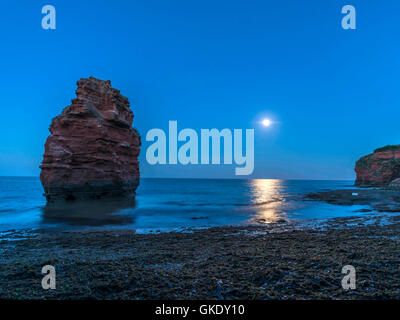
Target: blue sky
(332, 93)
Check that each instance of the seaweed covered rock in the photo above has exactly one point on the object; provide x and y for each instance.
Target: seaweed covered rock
(92, 151)
(380, 168)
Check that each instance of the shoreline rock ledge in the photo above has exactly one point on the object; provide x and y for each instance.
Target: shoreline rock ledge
(92, 151)
(380, 168)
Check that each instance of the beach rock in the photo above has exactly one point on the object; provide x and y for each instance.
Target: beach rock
(395, 184)
(92, 151)
(382, 200)
(380, 168)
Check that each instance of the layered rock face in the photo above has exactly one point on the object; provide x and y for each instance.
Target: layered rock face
(379, 169)
(93, 150)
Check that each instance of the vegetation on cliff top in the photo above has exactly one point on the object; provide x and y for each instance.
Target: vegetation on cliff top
(388, 148)
(365, 162)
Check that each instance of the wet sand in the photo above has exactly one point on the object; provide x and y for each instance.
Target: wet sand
(278, 261)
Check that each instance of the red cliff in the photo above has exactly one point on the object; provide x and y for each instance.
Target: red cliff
(379, 169)
(92, 151)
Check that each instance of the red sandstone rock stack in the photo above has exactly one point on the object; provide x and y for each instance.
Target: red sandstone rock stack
(93, 150)
(379, 169)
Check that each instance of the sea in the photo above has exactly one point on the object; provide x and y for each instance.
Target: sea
(164, 205)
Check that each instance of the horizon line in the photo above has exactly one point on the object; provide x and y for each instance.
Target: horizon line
(198, 178)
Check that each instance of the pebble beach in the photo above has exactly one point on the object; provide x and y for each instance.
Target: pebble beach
(277, 261)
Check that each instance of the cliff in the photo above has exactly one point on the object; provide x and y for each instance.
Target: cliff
(92, 151)
(380, 168)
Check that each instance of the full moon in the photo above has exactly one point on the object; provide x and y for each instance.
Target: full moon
(266, 122)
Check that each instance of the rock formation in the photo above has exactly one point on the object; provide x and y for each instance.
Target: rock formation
(395, 184)
(92, 151)
(379, 169)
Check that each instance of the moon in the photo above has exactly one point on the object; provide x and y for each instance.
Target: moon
(266, 122)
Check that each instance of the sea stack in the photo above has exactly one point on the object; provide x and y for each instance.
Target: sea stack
(380, 168)
(92, 151)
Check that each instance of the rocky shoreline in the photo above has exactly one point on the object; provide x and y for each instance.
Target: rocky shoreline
(381, 200)
(217, 263)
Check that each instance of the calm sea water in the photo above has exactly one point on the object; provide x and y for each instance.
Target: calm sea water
(171, 204)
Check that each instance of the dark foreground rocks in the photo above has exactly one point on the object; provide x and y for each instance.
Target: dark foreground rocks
(218, 263)
(92, 150)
